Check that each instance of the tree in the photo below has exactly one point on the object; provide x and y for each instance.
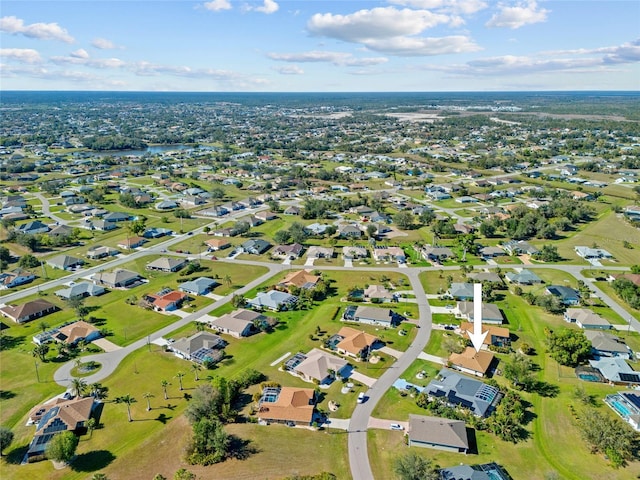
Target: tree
(180, 376)
(99, 476)
(282, 237)
(165, 384)
(608, 436)
(184, 474)
(148, 396)
(412, 466)
(487, 229)
(91, 426)
(568, 347)
(128, 400)
(210, 443)
(548, 253)
(41, 351)
(98, 391)
(241, 227)
(78, 387)
(6, 438)
(196, 367)
(77, 303)
(518, 369)
(62, 447)
(404, 220)
(227, 280)
(28, 261)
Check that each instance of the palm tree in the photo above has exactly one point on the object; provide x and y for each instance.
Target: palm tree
(148, 396)
(78, 386)
(98, 391)
(200, 326)
(165, 384)
(179, 376)
(128, 400)
(196, 367)
(227, 280)
(44, 326)
(91, 426)
(41, 351)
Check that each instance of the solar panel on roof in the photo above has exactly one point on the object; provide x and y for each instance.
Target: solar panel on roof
(633, 399)
(630, 377)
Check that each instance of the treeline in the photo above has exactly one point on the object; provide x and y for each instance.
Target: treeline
(112, 142)
(627, 291)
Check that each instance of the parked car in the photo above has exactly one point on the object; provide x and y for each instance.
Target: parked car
(396, 426)
(361, 397)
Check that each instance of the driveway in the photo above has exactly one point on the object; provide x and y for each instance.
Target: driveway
(359, 377)
(390, 351)
(106, 345)
(383, 424)
(432, 358)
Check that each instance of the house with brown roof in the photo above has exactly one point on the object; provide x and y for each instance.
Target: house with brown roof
(288, 405)
(132, 242)
(472, 362)
(239, 323)
(76, 332)
(378, 294)
(319, 367)
(496, 336)
(438, 433)
(355, 343)
(166, 301)
(28, 311)
(215, 244)
(301, 279)
(55, 417)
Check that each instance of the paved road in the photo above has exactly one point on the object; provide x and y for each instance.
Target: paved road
(358, 454)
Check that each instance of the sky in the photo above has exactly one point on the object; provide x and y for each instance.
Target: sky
(320, 46)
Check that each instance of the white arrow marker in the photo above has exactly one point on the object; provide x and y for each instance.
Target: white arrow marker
(477, 336)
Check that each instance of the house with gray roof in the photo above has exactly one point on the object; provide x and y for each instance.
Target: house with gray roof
(255, 246)
(616, 371)
(119, 278)
(589, 253)
(373, 316)
(522, 276)
(438, 433)
(607, 345)
(199, 286)
(32, 228)
(490, 312)
(239, 323)
(566, 295)
(486, 471)
(587, 319)
(80, 290)
(200, 348)
(461, 390)
(274, 300)
(519, 247)
(167, 264)
(65, 262)
(436, 254)
(461, 291)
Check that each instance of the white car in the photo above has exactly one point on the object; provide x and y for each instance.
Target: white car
(361, 397)
(396, 426)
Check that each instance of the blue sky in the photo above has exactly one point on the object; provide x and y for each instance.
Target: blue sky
(312, 45)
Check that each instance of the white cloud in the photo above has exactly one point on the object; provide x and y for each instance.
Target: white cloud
(23, 55)
(80, 53)
(103, 44)
(518, 16)
(336, 58)
(289, 70)
(466, 7)
(40, 31)
(366, 25)
(268, 7)
(218, 5)
(626, 53)
(412, 46)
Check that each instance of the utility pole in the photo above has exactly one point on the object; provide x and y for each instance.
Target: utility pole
(37, 373)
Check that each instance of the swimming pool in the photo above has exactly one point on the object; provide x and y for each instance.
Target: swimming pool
(620, 408)
(588, 377)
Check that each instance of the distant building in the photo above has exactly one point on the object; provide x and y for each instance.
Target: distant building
(28, 311)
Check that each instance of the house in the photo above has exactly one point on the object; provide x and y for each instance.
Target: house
(567, 296)
(354, 343)
(131, 243)
(288, 405)
(497, 336)
(215, 244)
(585, 318)
(80, 290)
(378, 294)
(372, 316)
(349, 230)
(103, 225)
(288, 251)
(96, 252)
(616, 371)
(632, 277)
(274, 300)
(319, 252)
(492, 252)
(592, 253)
(606, 345)
(167, 264)
(319, 367)
(482, 277)
(627, 406)
(351, 252)
(202, 347)
(75, 332)
(486, 471)
(316, 228)
(438, 433)
(255, 246)
(459, 390)
(198, 286)
(461, 291)
(389, 254)
(303, 279)
(61, 231)
(32, 228)
(28, 311)
(522, 276)
(116, 217)
(266, 215)
(490, 312)
(16, 278)
(55, 417)
(166, 205)
(519, 247)
(436, 254)
(240, 322)
(119, 278)
(156, 232)
(472, 362)
(65, 262)
(166, 300)
(292, 210)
